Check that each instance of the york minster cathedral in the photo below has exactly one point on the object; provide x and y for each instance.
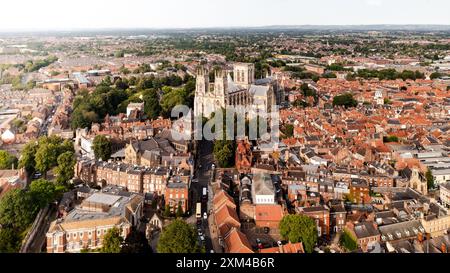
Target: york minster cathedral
(240, 89)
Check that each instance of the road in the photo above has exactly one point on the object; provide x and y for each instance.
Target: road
(39, 239)
(203, 174)
(44, 127)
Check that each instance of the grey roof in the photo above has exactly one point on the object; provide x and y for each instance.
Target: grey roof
(103, 198)
(401, 230)
(119, 153)
(445, 185)
(262, 184)
(264, 81)
(176, 185)
(232, 86)
(152, 144)
(258, 90)
(314, 209)
(365, 229)
(115, 203)
(171, 136)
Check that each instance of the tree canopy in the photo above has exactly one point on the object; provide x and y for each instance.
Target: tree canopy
(43, 154)
(348, 241)
(64, 170)
(7, 160)
(178, 237)
(430, 179)
(160, 95)
(18, 209)
(345, 100)
(27, 158)
(136, 242)
(299, 228)
(102, 147)
(112, 241)
(389, 74)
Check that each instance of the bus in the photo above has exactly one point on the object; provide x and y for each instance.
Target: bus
(198, 212)
(205, 194)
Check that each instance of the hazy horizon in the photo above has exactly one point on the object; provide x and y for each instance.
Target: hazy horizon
(47, 15)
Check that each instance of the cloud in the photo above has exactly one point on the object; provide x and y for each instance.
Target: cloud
(374, 3)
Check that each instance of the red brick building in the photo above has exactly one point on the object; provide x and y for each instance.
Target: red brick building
(177, 194)
(321, 216)
(359, 191)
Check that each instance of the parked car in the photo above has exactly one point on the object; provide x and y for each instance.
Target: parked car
(259, 243)
(205, 216)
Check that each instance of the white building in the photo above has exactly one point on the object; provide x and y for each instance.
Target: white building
(263, 190)
(441, 175)
(444, 194)
(135, 106)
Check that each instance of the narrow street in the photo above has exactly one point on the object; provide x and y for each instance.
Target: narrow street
(203, 175)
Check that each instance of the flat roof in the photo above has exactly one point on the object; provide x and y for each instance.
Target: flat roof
(102, 198)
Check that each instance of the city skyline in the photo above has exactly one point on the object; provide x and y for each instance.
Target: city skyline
(215, 14)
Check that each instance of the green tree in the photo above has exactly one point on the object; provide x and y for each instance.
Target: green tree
(102, 147)
(430, 179)
(7, 160)
(43, 192)
(46, 156)
(348, 241)
(224, 153)
(173, 97)
(390, 138)
(288, 130)
(136, 242)
(299, 228)
(65, 169)
(17, 210)
(167, 212)
(27, 157)
(152, 107)
(435, 75)
(345, 100)
(178, 237)
(9, 241)
(179, 212)
(112, 241)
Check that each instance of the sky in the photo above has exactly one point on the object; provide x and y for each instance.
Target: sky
(98, 14)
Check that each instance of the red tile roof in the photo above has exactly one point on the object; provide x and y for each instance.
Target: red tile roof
(237, 242)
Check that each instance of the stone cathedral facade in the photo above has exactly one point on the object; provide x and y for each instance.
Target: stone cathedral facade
(241, 89)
